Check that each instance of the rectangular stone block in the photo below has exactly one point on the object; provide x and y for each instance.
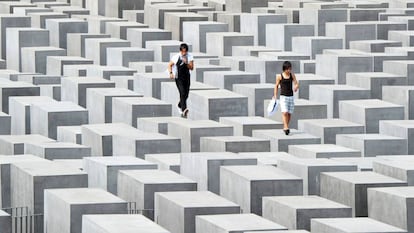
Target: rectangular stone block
(118, 29)
(405, 37)
(296, 212)
(174, 21)
(38, 19)
(399, 169)
(244, 5)
(370, 112)
(235, 223)
(164, 48)
(351, 31)
(403, 129)
(5, 122)
(353, 187)
(140, 187)
(139, 36)
(76, 42)
(208, 174)
(190, 132)
(103, 171)
(256, 94)
(138, 143)
(247, 185)
(122, 56)
(221, 43)
(323, 151)
(226, 79)
(128, 109)
(106, 72)
(96, 48)
(34, 59)
(133, 15)
(401, 95)
(112, 223)
(72, 204)
(9, 89)
(58, 150)
(213, 104)
(372, 145)
(17, 38)
(333, 94)
(167, 161)
(283, 39)
(313, 45)
(74, 89)
(150, 84)
(156, 124)
(9, 21)
(348, 225)
(55, 64)
(5, 222)
(186, 206)
(310, 170)
(402, 68)
(195, 33)
(71, 134)
(46, 117)
(59, 28)
(256, 24)
(280, 142)
(398, 200)
(244, 126)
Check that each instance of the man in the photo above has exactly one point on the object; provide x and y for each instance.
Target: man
(287, 102)
(179, 69)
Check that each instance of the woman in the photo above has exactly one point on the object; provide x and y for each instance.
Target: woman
(286, 80)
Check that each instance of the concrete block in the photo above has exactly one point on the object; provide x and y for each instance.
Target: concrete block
(401, 95)
(156, 124)
(221, 43)
(244, 5)
(327, 129)
(402, 68)
(306, 80)
(256, 24)
(5, 122)
(71, 134)
(72, 204)
(164, 48)
(280, 142)
(34, 59)
(351, 225)
(133, 15)
(118, 29)
(313, 45)
(10, 21)
(9, 89)
(99, 102)
(138, 143)
(128, 109)
(59, 28)
(139, 36)
(76, 42)
(113, 223)
(351, 31)
(103, 171)
(244, 126)
(168, 161)
(398, 169)
(213, 104)
(186, 206)
(122, 56)
(5, 222)
(46, 117)
(247, 185)
(72, 10)
(38, 19)
(373, 46)
(353, 188)
(58, 150)
(323, 151)
(310, 170)
(140, 187)
(331, 95)
(55, 64)
(226, 79)
(96, 48)
(174, 21)
(405, 37)
(398, 200)
(208, 174)
(251, 50)
(234, 222)
(337, 66)
(195, 33)
(52, 91)
(232, 19)
(150, 84)
(370, 112)
(256, 94)
(190, 132)
(372, 145)
(106, 72)
(283, 39)
(320, 17)
(374, 81)
(403, 129)
(296, 212)
(17, 38)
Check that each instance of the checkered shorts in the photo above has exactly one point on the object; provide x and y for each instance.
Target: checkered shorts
(287, 104)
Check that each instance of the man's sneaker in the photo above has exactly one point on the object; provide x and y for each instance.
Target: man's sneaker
(185, 113)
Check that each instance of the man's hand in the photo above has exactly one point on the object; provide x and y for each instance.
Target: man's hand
(185, 60)
(172, 76)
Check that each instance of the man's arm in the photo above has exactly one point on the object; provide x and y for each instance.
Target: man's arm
(276, 86)
(170, 65)
(296, 82)
(190, 65)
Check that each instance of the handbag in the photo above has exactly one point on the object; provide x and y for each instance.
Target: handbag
(272, 106)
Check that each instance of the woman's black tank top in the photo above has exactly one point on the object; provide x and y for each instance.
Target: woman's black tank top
(286, 86)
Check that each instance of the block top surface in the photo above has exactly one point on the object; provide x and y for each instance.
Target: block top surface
(240, 222)
(84, 196)
(364, 178)
(358, 225)
(9, 159)
(29, 138)
(371, 103)
(332, 122)
(324, 148)
(404, 192)
(47, 168)
(252, 120)
(258, 173)
(113, 92)
(306, 202)
(235, 139)
(217, 94)
(372, 137)
(200, 124)
(58, 145)
(197, 199)
(119, 161)
(279, 134)
(125, 223)
(141, 101)
(64, 106)
(157, 176)
(170, 159)
(318, 162)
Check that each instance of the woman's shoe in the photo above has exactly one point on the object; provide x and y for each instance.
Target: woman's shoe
(287, 131)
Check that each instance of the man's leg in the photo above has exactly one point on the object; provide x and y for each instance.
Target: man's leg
(181, 90)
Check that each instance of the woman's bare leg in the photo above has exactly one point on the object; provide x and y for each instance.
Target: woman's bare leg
(286, 119)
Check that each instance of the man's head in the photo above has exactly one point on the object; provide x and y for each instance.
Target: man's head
(183, 49)
(287, 67)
